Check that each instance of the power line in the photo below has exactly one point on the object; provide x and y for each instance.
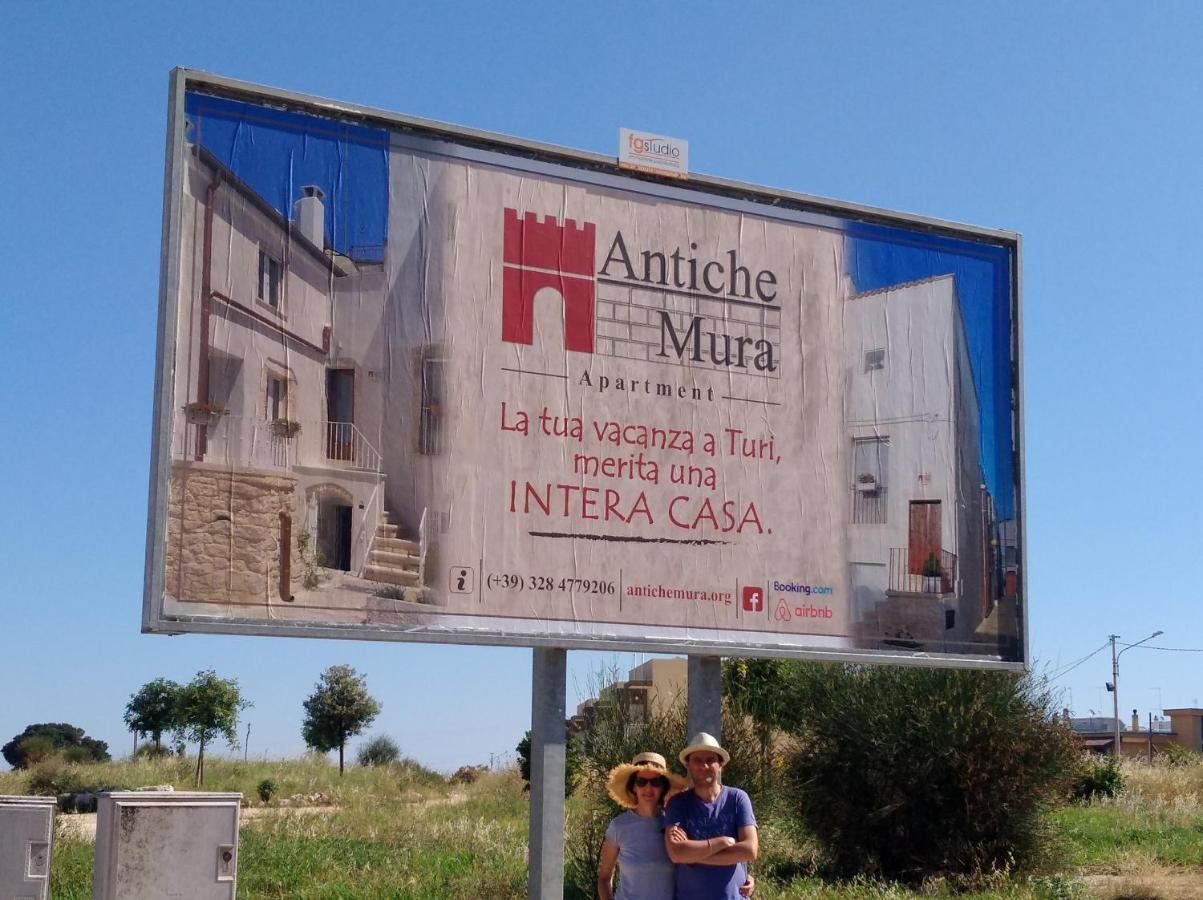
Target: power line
(1069, 668)
(1176, 649)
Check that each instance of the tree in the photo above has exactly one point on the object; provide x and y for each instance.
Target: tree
(39, 741)
(573, 762)
(759, 689)
(151, 711)
(339, 707)
(205, 708)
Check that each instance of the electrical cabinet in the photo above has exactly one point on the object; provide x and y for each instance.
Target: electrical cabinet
(26, 842)
(159, 845)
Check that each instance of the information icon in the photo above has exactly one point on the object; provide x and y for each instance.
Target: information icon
(463, 580)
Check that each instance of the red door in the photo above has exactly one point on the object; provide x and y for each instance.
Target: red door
(924, 537)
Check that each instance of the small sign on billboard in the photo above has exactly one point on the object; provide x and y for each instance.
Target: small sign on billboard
(646, 152)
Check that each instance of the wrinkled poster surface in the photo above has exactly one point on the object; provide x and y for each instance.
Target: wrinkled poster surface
(427, 391)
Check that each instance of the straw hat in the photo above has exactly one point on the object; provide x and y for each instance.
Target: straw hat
(704, 741)
(646, 763)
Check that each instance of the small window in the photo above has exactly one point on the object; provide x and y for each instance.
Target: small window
(875, 359)
(271, 274)
(430, 437)
(277, 398)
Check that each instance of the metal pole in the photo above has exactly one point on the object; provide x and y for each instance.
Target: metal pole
(1115, 678)
(549, 680)
(1115, 692)
(705, 696)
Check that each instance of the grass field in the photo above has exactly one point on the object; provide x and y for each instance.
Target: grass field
(402, 831)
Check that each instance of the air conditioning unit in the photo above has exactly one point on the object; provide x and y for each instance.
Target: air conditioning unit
(26, 841)
(156, 844)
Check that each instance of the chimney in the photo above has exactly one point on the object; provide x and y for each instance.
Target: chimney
(1135, 721)
(309, 214)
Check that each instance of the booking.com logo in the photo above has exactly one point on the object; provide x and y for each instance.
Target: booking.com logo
(807, 589)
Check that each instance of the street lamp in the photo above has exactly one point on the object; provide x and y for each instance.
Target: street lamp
(1115, 679)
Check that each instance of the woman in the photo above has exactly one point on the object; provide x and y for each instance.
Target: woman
(635, 839)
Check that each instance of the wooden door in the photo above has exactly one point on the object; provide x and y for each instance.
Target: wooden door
(924, 534)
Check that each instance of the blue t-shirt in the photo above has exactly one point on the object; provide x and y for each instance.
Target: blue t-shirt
(644, 870)
(730, 811)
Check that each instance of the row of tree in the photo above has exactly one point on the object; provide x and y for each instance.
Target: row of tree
(339, 708)
(206, 708)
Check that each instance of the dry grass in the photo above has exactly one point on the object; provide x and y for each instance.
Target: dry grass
(306, 776)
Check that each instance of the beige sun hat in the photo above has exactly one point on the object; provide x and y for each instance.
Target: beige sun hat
(653, 763)
(704, 741)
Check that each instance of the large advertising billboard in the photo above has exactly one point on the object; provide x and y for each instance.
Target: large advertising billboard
(421, 383)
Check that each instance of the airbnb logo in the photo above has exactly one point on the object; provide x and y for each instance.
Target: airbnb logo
(541, 255)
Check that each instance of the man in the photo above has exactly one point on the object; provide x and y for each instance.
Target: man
(710, 829)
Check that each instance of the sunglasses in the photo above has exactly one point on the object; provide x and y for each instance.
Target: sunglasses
(655, 780)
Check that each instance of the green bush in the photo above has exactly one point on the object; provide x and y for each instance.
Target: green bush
(909, 773)
(1177, 756)
(267, 789)
(56, 775)
(379, 751)
(150, 751)
(1096, 776)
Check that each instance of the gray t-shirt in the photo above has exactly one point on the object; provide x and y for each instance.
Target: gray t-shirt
(644, 871)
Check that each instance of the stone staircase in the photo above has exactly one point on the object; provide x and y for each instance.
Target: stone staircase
(392, 559)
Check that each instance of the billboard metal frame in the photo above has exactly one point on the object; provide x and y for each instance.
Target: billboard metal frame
(535, 158)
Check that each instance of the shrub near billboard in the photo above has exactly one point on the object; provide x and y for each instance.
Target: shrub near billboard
(418, 383)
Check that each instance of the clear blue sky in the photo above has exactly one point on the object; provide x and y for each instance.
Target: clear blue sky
(1078, 125)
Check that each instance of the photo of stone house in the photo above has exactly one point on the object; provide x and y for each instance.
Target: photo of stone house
(923, 543)
(278, 482)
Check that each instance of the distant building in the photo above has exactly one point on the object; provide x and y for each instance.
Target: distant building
(1182, 727)
(650, 689)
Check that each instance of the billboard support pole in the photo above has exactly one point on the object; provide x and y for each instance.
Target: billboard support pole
(549, 678)
(705, 689)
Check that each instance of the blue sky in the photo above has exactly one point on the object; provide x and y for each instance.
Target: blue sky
(1079, 126)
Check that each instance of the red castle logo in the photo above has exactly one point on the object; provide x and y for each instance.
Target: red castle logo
(545, 254)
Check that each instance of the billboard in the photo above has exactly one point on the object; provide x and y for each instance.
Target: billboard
(422, 383)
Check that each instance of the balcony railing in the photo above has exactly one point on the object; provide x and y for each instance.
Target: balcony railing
(906, 575)
(258, 444)
(237, 441)
(869, 507)
(346, 444)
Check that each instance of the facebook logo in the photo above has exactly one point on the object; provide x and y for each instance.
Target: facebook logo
(753, 599)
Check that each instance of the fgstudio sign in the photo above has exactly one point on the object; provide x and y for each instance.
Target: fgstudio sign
(646, 152)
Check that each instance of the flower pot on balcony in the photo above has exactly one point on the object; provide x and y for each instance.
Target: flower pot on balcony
(204, 413)
(931, 584)
(866, 484)
(285, 428)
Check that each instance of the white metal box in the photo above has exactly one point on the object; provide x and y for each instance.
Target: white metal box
(154, 845)
(26, 842)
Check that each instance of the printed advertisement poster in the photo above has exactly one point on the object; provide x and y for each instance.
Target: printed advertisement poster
(426, 390)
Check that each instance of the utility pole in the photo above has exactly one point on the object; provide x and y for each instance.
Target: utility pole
(1114, 686)
(1115, 694)
(246, 742)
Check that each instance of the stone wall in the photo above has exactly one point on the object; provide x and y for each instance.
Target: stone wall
(224, 534)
